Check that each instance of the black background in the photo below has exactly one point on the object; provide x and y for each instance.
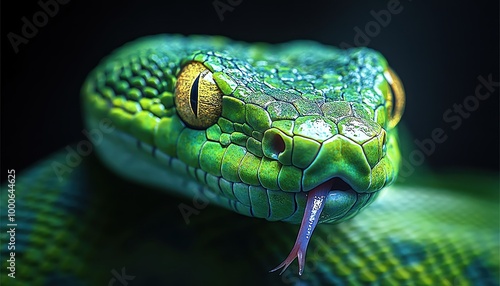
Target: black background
(438, 49)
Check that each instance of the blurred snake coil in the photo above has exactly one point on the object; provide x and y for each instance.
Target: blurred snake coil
(293, 133)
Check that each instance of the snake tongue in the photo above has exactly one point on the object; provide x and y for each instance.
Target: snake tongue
(315, 203)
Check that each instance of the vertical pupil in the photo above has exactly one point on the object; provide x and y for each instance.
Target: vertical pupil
(193, 96)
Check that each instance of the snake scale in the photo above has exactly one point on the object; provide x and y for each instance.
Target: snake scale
(300, 133)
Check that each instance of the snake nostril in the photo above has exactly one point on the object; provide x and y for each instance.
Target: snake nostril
(277, 144)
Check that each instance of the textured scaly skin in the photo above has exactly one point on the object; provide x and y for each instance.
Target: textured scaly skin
(327, 105)
(74, 228)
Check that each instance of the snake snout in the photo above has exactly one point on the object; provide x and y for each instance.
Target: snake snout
(315, 149)
(352, 155)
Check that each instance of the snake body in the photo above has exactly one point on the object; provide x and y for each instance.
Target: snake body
(298, 132)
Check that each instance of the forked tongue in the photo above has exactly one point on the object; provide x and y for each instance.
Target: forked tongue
(315, 203)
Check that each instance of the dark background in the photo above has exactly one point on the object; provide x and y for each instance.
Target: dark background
(438, 50)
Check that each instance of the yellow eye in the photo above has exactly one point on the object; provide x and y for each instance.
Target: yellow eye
(396, 101)
(197, 96)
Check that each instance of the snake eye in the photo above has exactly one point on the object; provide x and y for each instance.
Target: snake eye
(396, 101)
(197, 96)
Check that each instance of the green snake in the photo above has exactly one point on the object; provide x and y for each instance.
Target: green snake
(299, 132)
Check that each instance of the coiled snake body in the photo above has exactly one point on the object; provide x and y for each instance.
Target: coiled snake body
(297, 132)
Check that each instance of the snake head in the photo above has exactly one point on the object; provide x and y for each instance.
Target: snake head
(300, 132)
(277, 132)
(310, 144)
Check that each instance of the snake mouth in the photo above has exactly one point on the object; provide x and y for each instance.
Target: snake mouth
(339, 184)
